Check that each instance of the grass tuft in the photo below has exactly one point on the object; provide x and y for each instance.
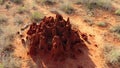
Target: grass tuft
(91, 4)
(1, 2)
(8, 49)
(111, 55)
(67, 8)
(7, 6)
(22, 9)
(37, 16)
(102, 24)
(46, 2)
(117, 12)
(11, 61)
(18, 20)
(3, 19)
(17, 1)
(115, 29)
(1, 65)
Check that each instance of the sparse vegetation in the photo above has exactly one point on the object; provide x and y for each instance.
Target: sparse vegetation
(18, 20)
(46, 2)
(95, 3)
(39, 1)
(78, 2)
(1, 31)
(104, 4)
(1, 2)
(37, 16)
(6, 40)
(11, 61)
(22, 9)
(67, 8)
(55, 11)
(17, 1)
(8, 49)
(102, 24)
(91, 5)
(7, 6)
(88, 21)
(116, 29)
(3, 19)
(111, 55)
(31, 64)
(1, 65)
(117, 12)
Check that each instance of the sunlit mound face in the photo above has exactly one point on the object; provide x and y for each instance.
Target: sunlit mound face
(54, 38)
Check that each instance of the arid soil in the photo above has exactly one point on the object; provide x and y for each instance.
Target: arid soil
(83, 21)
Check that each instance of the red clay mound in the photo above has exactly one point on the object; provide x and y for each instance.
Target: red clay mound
(54, 38)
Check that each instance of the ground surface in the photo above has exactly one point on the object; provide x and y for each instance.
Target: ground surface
(97, 36)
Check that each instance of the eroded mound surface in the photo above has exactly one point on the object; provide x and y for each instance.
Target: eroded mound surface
(54, 38)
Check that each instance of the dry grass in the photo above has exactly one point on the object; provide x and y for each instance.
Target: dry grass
(93, 3)
(102, 24)
(7, 6)
(111, 55)
(1, 65)
(22, 9)
(1, 31)
(3, 19)
(17, 1)
(11, 61)
(37, 16)
(117, 12)
(1, 2)
(46, 2)
(88, 21)
(8, 35)
(7, 48)
(67, 7)
(18, 20)
(115, 29)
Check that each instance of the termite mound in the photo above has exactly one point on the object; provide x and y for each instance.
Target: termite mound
(54, 38)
